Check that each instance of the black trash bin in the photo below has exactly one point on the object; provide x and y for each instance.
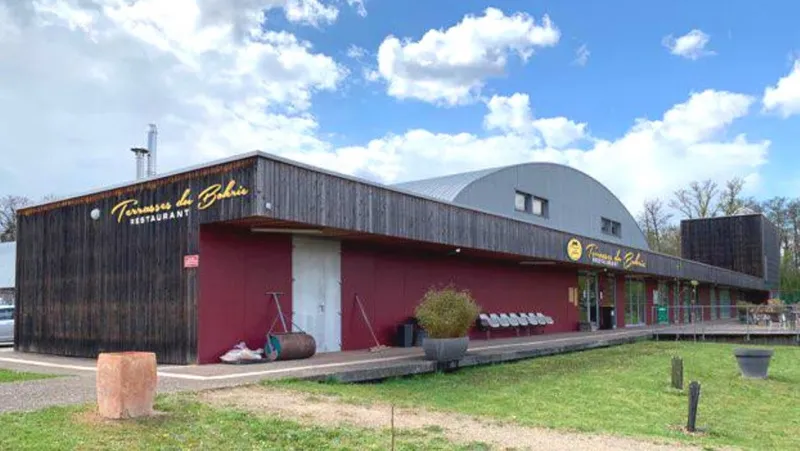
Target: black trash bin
(405, 335)
(606, 318)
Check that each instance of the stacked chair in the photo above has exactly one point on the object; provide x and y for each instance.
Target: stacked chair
(530, 322)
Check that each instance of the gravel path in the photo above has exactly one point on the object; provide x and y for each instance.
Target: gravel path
(77, 385)
(326, 410)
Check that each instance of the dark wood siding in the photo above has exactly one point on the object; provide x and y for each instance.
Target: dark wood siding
(308, 196)
(748, 244)
(87, 286)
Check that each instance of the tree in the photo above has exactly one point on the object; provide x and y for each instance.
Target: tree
(671, 240)
(776, 210)
(699, 201)
(8, 216)
(730, 200)
(654, 221)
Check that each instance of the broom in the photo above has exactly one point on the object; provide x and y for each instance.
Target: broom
(378, 346)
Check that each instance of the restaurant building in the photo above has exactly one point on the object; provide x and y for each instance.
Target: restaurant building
(189, 263)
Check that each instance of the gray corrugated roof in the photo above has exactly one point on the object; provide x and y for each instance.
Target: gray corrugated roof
(446, 187)
(8, 263)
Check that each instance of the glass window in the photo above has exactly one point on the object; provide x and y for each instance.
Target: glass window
(530, 204)
(539, 206)
(521, 201)
(6, 314)
(662, 294)
(635, 303)
(724, 303)
(610, 227)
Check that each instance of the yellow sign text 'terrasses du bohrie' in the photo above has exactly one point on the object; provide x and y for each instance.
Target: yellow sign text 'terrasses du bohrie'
(136, 213)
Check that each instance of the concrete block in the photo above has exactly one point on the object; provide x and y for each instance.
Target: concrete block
(126, 384)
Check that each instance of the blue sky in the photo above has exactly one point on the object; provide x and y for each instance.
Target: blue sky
(629, 73)
(219, 79)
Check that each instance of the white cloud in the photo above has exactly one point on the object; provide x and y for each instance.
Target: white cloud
(784, 97)
(653, 158)
(559, 132)
(8, 28)
(355, 52)
(451, 66)
(582, 55)
(205, 71)
(311, 12)
(217, 84)
(509, 113)
(692, 45)
(358, 5)
(513, 115)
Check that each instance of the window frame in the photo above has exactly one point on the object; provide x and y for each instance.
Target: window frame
(525, 200)
(612, 225)
(530, 200)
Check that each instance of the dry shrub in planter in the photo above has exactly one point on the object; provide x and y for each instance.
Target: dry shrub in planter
(447, 312)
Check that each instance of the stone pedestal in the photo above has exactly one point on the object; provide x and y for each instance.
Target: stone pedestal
(126, 384)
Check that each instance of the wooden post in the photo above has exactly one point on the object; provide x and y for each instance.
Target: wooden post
(677, 373)
(694, 399)
(392, 426)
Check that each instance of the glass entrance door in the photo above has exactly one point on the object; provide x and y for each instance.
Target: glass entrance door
(635, 303)
(725, 303)
(589, 308)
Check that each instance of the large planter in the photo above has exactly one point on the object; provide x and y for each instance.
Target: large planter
(753, 363)
(445, 349)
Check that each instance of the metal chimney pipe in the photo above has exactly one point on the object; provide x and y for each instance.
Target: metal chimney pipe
(152, 144)
(140, 155)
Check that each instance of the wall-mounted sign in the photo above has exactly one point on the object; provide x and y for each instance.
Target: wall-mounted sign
(136, 213)
(594, 253)
(574, 250)
(191, 261)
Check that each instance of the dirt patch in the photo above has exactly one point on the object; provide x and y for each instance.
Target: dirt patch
(329, 411)
(92, 418)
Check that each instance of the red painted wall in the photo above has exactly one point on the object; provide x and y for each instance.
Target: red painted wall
(649, 314)
(390, 281)
(620, 301)
(704, 300)
(236, 270)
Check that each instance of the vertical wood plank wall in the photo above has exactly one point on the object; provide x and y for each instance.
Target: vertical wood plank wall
(307, 196)
(86, 286)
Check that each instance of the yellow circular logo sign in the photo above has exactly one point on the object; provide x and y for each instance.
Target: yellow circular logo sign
(574, 249)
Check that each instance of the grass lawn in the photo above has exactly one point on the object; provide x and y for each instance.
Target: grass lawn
(18, 376)
(189, 424)
(621, 390)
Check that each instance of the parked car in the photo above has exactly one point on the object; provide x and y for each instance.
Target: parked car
(6, 323)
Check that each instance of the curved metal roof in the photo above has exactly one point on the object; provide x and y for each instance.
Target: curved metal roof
(485, 188)
(447, 187)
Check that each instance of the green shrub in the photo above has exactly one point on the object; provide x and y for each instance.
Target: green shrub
(447, 312)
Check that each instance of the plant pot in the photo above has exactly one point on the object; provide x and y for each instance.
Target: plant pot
(753, 363)
(445, 349)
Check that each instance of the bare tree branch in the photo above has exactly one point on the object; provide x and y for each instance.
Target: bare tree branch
(654, 220)
(699, 201)
(730, 199)
(8, 216)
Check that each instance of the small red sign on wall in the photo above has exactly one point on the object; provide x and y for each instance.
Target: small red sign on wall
(191, 261)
